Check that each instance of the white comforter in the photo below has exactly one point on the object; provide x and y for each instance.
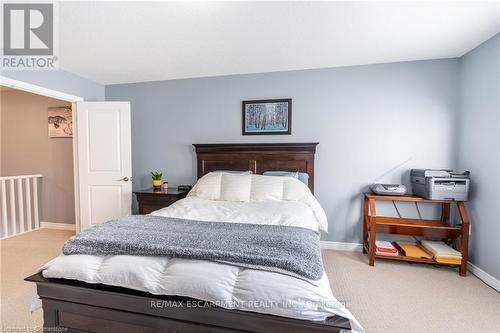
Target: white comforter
(288, 213)
(225, 285)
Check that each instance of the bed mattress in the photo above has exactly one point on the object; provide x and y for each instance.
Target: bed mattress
(224, 285)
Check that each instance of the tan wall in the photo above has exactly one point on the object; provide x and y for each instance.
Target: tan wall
(1, 104)
(27, 149)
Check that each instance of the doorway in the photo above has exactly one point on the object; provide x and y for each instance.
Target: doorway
(37, 183)
(102, 161)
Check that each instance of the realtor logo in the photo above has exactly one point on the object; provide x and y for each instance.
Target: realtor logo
(30, 36)
(28, 29)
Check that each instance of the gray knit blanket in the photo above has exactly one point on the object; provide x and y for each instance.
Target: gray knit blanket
(288, 250)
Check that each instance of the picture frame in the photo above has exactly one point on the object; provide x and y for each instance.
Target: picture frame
(60, 122)
(267, 117)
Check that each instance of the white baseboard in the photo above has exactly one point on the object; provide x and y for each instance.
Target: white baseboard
(58, 226)
(47, 225)
(483, 276)
(340, 246)
(356, 247)
(21, 233)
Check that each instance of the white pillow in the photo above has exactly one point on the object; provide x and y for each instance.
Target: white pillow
(207, 187)
(294, 174)
(266, 188)
(295, 190)
(235, 187)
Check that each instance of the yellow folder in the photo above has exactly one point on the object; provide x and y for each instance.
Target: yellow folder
(413, 250)
(449, 261)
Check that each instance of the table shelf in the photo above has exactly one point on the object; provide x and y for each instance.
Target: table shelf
(407, 198)
(407, 258)
(417, 223)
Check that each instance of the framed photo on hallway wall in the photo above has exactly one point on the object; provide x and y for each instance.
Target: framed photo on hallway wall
(60, 122)
(267, 117)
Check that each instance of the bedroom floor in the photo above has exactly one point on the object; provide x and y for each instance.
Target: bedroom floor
(392, 297)
(21, 256)
(404, 297)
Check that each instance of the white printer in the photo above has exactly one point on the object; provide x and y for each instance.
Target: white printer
(440, 184)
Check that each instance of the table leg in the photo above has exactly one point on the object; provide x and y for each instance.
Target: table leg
(465, 237)
(365, 223)
(445, 217)
(372, 232)
(445, 212)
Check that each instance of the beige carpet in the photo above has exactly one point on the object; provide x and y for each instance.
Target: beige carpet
(21, 256)
(390, 297)
(404, 297)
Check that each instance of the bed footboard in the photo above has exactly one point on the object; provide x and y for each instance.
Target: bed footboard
(75, 306)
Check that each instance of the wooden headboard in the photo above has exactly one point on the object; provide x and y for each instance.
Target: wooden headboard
(257, 157)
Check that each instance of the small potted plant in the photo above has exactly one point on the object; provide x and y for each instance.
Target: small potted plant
(156, 177)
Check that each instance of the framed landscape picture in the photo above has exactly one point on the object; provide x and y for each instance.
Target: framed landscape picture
(266, 117)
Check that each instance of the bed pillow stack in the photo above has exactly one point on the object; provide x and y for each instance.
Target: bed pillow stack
(246, 187)
(256, 188)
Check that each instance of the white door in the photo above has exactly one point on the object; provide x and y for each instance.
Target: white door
(104, 161)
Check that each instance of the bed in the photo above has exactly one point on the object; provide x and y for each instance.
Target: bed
(91, 304)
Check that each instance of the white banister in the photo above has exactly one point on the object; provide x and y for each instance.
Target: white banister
(21, 177)
(12, 199)
(35, 202)
(28, 203)
(19, 204)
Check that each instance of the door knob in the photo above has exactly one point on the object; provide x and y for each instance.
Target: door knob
(125, 179)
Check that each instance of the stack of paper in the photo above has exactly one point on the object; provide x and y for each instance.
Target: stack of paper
(413, 250)
(385, 248)
(442, 253)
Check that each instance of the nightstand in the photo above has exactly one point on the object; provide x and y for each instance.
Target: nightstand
(150, 200)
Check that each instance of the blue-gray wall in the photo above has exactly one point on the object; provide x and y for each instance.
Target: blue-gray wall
(60, 81)
(368, 120)
(479, 149)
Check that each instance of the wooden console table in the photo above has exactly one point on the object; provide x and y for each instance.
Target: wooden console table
(442, 228)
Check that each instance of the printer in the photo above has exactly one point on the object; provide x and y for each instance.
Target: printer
(440, 184)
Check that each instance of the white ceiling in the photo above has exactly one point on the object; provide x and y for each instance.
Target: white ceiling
(120, 42)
